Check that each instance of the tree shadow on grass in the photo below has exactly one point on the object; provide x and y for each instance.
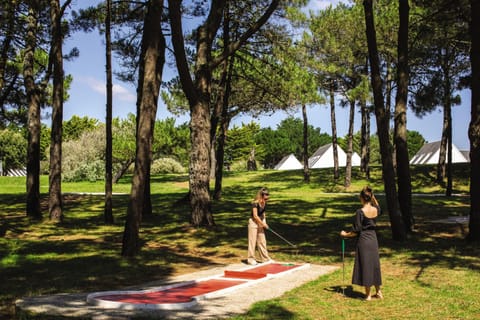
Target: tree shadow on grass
(82, 254)
(433, 243)
(270, 310)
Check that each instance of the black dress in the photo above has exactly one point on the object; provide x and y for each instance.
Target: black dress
(366, 270)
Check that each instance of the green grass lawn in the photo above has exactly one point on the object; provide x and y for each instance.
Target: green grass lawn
(433, 275)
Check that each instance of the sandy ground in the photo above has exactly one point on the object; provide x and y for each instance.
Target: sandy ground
(230, 304)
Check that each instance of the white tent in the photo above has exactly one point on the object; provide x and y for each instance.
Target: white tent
(323, 158)
(22, 172)
(289, 162)
(430, 153)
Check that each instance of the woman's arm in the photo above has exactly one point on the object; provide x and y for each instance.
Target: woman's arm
(356, 228)
(257, 219)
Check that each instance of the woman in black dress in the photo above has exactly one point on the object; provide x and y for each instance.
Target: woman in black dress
(366, 270)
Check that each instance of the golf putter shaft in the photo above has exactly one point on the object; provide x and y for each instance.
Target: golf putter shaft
(343, 263)
(270, 229)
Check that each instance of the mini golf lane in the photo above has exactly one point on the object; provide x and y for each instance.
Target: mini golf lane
(186, 294)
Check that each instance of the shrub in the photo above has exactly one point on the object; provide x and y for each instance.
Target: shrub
(166, 165)
(83, 159)
(91, 171)
(13, 149)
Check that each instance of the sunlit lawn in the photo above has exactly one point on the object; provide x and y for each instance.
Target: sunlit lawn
(434, 275)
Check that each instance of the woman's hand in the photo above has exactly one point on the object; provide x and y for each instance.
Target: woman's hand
(346, 234)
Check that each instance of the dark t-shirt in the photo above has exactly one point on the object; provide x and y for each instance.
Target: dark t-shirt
(260, 210)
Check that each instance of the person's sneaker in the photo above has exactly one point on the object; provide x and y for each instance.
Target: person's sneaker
(268, 261)
(252, 263)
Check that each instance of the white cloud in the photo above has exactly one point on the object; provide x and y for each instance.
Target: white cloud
(93, 83)
(119, 92)
(123, 93)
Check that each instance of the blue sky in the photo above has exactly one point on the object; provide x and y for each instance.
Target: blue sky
(87, 96)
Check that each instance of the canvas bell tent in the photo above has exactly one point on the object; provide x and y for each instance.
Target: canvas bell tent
(289, 162)
(430, 153)
(323, 158)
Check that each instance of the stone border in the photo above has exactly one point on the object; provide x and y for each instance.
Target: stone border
(235, 303)
(96, 297)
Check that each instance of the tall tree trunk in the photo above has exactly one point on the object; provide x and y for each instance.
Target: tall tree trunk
(365, 140)
(398, 230)
(474, 126)
(388, 90)
(365, 133)
(219, 104)
(224, 124)
(348, 165)
(34, 123)
(213, 158)
(147, 197)
(55, 203)
(147, 194)
(108, 215)
(8, 37)
(216, 119)
(200, 127)
(388, 106)
(306, 171)
(400, 135)
(198, 94)
(220, 156)
(448, 111)
(333, 120)
(150, 76)
(252, 162)
(443, 148)
(199, 178)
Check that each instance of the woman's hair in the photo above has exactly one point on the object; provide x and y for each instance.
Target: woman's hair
(262, 192)
(367, 195)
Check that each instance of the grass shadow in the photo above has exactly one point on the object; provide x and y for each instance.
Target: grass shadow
(270, 310)
(347, 291)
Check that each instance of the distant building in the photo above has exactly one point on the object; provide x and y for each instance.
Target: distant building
(289, 162)
(430, 153)
(323, 158)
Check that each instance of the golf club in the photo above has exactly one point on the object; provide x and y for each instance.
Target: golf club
(343, 263)
(270, 229)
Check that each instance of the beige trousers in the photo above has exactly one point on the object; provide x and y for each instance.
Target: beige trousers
(256, 239)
